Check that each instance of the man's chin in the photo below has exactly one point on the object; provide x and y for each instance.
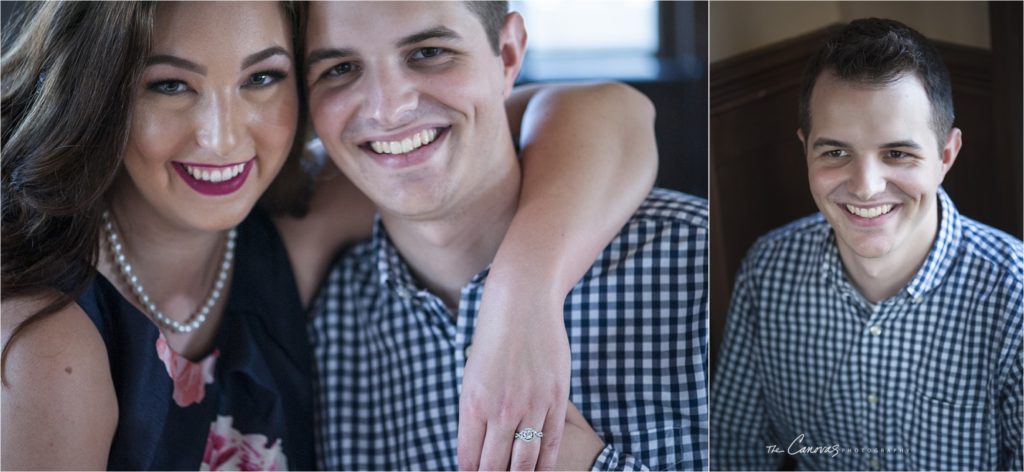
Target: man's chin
(866, 247)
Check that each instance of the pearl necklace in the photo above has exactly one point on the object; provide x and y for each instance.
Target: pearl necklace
(197, 319)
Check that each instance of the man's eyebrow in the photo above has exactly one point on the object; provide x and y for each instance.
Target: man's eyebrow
(437, 32)
(906, 143)
(176, 62)
(259, 56)
(326, 53)
(827, 142)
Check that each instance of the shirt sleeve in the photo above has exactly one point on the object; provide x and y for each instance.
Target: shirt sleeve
(611, 459)
(1011, 454)
(739, 423)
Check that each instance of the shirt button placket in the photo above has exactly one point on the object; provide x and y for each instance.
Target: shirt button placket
(873, 383)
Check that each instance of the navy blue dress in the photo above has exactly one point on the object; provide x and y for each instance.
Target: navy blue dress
(247, 404)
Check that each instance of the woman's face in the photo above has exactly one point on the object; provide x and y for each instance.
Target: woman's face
(214, 115)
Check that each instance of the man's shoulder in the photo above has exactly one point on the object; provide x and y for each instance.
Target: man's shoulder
(801, 236)
(669, 228)
(672, 207)
(993, 247)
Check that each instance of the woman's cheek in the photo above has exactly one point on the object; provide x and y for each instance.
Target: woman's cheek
(159, 136)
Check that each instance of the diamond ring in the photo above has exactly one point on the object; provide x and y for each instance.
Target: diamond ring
(527, 434)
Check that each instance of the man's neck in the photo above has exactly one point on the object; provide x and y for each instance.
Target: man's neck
(880, 278)
(445, 253)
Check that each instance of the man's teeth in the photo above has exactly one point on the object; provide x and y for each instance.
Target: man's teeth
(417, 140)
(869, 212)
(215, 175)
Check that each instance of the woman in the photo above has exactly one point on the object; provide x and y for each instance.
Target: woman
(142, 328)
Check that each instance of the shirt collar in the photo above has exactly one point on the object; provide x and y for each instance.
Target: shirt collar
(936, 264)
(943, 251)
(394, 272)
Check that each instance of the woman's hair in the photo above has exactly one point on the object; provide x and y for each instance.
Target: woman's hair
(70, 75)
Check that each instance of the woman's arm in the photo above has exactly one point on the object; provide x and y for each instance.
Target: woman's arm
(59, 406)
(589, 159)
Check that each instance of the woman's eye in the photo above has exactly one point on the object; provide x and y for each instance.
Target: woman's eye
(263, 79)
(169, 87)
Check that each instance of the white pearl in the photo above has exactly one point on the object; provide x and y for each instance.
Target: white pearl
(197, 319)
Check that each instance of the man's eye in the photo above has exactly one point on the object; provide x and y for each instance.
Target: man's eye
(896, 154)
(835, 153)
(340, 69)
(427, 53)
(168, 87)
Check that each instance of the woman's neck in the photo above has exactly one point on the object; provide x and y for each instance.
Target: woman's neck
(176, 265)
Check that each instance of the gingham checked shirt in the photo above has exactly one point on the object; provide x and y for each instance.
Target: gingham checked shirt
(390, 356)
(929, 379)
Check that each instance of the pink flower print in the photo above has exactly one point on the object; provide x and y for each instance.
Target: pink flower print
(228, 449)
(190, 378)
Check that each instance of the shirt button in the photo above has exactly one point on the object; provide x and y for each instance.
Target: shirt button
(918, 299)
(402, 292)
(872, 399)
(875, 330)
(468, 348)
(875, 464)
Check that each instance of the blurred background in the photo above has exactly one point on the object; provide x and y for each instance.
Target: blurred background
(659, 48)
(758, 178)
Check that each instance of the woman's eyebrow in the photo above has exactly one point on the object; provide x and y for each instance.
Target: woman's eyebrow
(176, 62)
(261, 55)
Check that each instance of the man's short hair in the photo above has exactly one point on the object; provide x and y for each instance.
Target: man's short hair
(877, 52)
(492, 16)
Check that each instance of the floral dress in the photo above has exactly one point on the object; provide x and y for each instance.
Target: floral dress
(247, 404)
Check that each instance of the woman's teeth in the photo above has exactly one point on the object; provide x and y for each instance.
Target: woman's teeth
(870, 212)
(417, 141)
(215, 175)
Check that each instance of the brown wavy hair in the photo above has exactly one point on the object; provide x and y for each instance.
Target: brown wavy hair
(70, 72)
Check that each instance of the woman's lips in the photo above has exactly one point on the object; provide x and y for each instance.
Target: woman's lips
(214, 180)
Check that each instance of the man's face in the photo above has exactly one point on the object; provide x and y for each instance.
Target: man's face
(874, 165)
(408, 99)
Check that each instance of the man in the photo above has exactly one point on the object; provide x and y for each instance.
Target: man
(395, 321)
(885, 331)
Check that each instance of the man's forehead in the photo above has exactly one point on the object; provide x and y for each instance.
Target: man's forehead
(835, 98)
(334, 22)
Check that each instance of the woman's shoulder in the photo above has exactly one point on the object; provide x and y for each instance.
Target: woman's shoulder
(53, 343)
(55, 366)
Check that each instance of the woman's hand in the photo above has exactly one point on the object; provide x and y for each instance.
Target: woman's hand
(589, 160)
(517, 377)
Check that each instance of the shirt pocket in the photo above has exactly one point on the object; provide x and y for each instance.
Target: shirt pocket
(945, 435)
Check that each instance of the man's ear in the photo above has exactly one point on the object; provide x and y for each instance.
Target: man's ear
(512, 48)
(950, 150)
(802, 138)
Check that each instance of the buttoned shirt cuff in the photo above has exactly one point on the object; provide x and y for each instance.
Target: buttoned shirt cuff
(611, 459)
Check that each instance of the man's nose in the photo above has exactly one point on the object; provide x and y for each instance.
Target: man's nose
(390, 97)
(868, 177)
(219, 123)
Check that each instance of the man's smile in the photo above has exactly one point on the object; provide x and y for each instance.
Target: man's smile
(417, 140)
